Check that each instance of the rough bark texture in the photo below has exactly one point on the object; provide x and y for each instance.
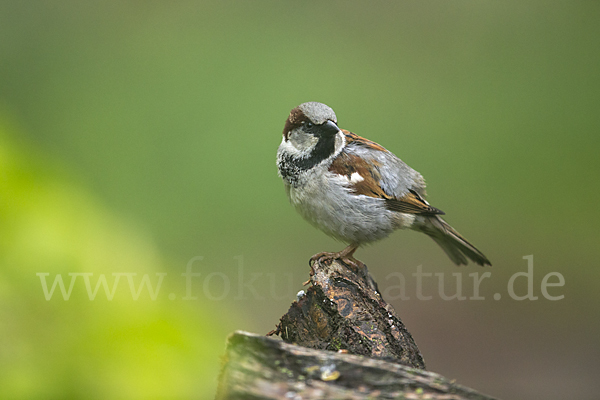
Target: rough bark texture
(344, 310)
(343, 342)
(258, 367)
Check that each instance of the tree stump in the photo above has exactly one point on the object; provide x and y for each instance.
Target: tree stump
(340, 339)
(343, 310)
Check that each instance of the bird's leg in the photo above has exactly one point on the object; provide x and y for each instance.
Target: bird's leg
(347, 255)
(349, 260)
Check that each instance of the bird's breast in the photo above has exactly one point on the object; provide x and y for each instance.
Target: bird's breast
(328, 203)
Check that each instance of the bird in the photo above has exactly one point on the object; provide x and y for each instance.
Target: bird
(355, 190)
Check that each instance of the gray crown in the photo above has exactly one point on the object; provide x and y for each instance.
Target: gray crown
(318, 113)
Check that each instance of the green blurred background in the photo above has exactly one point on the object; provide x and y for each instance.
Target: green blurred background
(137, 135)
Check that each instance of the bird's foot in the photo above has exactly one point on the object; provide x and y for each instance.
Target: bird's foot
(346, 255)
(356, 265)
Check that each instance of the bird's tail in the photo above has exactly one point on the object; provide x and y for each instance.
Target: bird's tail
(452, 242)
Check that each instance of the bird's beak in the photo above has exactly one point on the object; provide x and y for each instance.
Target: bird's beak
(330, 128)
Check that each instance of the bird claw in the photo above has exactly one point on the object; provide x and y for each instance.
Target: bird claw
(322, 258)
(353, 262)
(346, 256)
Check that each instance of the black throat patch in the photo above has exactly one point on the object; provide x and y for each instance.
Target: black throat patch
(290, 167)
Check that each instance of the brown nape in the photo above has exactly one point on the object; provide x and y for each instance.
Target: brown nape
(295, 119)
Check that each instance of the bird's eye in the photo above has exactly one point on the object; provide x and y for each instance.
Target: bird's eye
(308, 124)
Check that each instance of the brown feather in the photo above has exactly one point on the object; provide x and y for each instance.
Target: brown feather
(412, 203)
(347, 164)
(295, 119)
(361, 141)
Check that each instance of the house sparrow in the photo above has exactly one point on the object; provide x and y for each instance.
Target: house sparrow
(355, 190)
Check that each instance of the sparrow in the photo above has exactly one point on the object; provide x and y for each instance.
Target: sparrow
(355, 190)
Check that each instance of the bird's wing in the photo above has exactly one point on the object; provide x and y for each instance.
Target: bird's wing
(412, 203)
(373, 171)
